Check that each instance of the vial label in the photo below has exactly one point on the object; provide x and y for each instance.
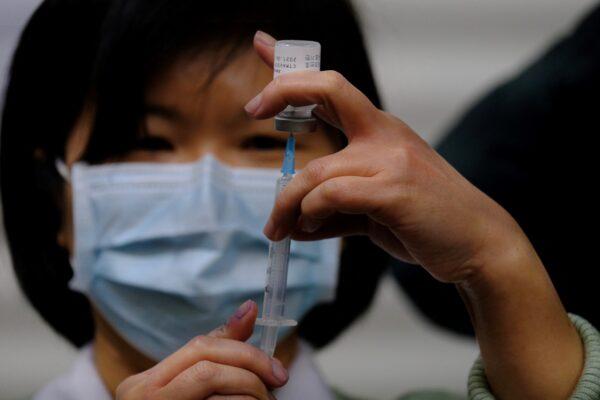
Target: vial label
(296, 55)
(285, 64)
(293, 56)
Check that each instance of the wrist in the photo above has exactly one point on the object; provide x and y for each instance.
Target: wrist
(505, 259)
(513, 306)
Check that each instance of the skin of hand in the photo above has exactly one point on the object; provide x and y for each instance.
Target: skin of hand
(215, 366)
(391, 185)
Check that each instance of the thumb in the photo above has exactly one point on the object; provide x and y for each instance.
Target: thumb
(240, 325)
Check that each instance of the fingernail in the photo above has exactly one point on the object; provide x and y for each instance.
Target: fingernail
(265, 38)
(253, 104)
(278, 235)
(269, 229)
(278, 370)
(243, 309)
(309, 225)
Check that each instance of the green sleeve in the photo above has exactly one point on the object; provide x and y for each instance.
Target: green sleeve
(588, 387)
(420, 395)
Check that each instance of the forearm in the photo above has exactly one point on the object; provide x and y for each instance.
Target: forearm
(529, 347)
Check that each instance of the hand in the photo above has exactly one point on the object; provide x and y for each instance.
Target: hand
(390, 185)
(213, 366)
(387, 183)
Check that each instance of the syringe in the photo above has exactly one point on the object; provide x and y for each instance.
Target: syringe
(277, 270)
(290, 56)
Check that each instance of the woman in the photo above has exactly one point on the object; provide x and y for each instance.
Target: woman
(163, 126)
(59, 92)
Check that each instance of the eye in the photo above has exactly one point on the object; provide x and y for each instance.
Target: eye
(153, 143)
(263, 142)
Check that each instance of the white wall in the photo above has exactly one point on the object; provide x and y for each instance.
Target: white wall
(432, 58)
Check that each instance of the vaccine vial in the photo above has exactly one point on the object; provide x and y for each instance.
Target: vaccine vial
(292, 56)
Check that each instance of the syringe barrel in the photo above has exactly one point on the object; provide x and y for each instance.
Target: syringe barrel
(274, 302)
(279, 257)
(276, 284)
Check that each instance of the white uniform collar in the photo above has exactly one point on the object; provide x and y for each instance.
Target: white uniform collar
(80, 382)
(83, 382)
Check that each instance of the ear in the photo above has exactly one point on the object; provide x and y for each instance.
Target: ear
(74, 149)
(80, 135)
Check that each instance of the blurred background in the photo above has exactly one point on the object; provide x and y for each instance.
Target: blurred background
(432, 58)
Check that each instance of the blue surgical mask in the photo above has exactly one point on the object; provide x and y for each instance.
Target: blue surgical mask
(166, 252)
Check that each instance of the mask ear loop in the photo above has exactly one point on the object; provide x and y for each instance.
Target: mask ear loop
(63, 170)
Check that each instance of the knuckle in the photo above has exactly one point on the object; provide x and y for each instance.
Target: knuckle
(125, 384)
(278, 83)
(203, 371)
(151, 382)
(254, 354)
(406, 199)
(281, 203)
(255, 386)
(334, 81)
(315, 171)
(220, 331)
(122, 393)
(403, 159)
(201, 342)
(333, 191)
(253, 358)
(124, 390)
(401, 195)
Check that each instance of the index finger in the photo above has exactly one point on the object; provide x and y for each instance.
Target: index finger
(222, 346)
(287, 207)
(220, 351)
(264, 44)
(329, 89)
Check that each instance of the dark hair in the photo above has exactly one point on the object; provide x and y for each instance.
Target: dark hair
(112, 50)
(49, 80)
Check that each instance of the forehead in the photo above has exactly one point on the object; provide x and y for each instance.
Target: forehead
(185, 84)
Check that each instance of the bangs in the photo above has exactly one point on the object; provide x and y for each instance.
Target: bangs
(142, 38)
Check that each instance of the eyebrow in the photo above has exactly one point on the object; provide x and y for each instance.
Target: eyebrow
(172, 114)
(162, 111)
